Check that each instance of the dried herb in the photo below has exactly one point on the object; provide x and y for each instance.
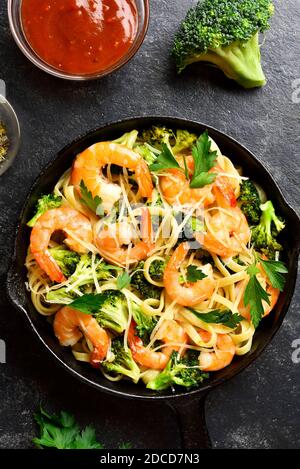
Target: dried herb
(4, 142)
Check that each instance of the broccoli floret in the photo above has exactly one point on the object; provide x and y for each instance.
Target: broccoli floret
(66, 259)
(183, 372)
(250, 202)
(82, 278)
(156, 270)
(264, 235)
(183, 141)
(45, 203)
(157, 135)
(225, 34)
(113, 312)
(154, 137)
(128, 139)
(122, 362)
(142, 286)
(144, 323)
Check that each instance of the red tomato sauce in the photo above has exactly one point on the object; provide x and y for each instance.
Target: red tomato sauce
(80, 36)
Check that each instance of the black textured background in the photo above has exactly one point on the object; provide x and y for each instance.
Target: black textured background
(259, 408)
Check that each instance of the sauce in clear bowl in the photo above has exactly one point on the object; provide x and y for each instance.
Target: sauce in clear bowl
(80, 36)
(79, 39)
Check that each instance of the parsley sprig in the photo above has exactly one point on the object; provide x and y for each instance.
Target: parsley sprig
(227, 318)
(93, 203)
(255, 294)
(194, 274)
(165, 160)
(63, 432)
(204, 161)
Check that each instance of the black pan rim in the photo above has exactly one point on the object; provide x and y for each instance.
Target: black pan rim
(176, 121)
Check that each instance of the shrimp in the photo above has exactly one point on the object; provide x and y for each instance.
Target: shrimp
(272, 292)
(58, 219)
(69, 326)
(88, 168)
(221, 357)
(112, 237)
(188, 294)
(228, 229)
(176, 190)
(169, 332)
(175, 186)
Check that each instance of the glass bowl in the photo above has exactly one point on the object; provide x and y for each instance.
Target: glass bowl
(10, 120)
(14, 15)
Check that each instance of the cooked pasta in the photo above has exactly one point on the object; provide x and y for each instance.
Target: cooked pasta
(143, 264)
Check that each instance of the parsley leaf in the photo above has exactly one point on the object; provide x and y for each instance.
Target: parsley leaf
(165, 160)
(274, 271)
(255, 295)
(194, 274)
(88, 304)
(62, 432)
(123, 281)
(93, 203)
(204, 160)
(227, 318)
(125, 445)
(87, 439)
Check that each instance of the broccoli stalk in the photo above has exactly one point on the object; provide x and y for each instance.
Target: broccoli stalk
(250, 202)
(113, 312)
(264, 235)
(122, 362)
(144, 323)
(127, 139)
(183, 372)
(226, 34)
(81, 279)
(45, 203)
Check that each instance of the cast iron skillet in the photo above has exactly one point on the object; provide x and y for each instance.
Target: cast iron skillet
(189, 406)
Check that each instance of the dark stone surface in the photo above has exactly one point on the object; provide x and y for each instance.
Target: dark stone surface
(258, 409)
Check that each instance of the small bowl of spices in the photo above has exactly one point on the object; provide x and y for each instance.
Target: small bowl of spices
(9, 135)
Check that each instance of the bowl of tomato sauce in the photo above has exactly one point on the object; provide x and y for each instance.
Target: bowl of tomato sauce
(79, 39)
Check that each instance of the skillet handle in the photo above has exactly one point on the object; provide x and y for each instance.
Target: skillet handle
(190, 413)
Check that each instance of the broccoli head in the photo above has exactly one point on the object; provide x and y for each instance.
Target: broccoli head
(225, 34)
(144, 323)
(250, 202)
(156, 270)
(264, 235)
(142, 286)
(67, 260)
(183, 372)
(156, 136)
(45, 203)
(122, 362)
(113, 311)
(81, 279)
(183, 141)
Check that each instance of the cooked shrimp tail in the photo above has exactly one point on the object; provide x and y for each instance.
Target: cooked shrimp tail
(69, 326)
